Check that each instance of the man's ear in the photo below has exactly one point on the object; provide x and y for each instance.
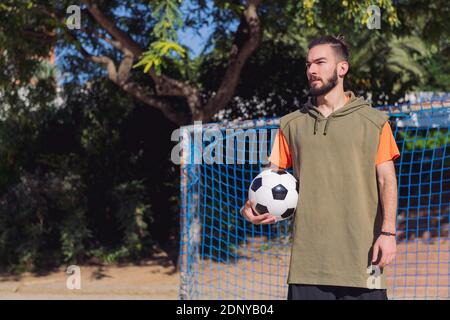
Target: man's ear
(343, 67)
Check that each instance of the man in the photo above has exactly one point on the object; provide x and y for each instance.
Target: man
(342, 151)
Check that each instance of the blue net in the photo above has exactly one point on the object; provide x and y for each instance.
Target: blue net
(222, 256)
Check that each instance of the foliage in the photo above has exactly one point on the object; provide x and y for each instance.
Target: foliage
(416, 140)
(168, 16)
(85, 173)
(79, 183)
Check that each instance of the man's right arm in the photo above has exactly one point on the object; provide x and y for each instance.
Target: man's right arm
(280, 158)
(249, 214)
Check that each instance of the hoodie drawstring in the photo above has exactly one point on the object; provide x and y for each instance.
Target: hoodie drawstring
(353, 104)
(316, 126)
(326, 126)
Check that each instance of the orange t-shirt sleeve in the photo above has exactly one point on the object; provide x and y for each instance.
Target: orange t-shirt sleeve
(280, 154)
(387, 148)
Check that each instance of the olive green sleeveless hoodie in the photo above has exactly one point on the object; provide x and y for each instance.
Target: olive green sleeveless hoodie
(338, 215)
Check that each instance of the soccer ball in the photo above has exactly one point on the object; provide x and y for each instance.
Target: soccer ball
(274, 191)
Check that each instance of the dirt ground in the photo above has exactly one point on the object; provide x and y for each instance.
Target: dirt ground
(421, 271)
(155, 280)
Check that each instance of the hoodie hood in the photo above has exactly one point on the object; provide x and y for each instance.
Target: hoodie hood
(353, 104)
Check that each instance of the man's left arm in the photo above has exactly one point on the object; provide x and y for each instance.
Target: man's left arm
(387, 185)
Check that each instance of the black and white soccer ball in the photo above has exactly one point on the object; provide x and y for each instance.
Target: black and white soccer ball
(275, 192)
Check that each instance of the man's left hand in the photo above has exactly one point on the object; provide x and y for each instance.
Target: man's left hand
(388, 247)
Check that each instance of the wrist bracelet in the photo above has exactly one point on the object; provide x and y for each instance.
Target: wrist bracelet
(387, 233)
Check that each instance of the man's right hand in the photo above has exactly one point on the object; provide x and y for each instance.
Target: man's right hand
(250, 215)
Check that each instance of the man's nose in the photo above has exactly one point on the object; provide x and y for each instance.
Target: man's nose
(312, 71)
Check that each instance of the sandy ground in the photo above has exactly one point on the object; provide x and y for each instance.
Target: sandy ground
(421, 271)
(155, 280)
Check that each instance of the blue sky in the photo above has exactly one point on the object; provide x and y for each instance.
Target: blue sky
(194, 39)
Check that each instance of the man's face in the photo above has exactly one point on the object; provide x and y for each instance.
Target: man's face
(321, 69)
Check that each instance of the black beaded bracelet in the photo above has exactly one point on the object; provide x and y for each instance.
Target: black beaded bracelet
(387, 233)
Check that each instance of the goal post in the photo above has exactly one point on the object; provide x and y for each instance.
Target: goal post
(223, 256)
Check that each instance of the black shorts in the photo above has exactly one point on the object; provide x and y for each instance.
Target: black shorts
(319, 292)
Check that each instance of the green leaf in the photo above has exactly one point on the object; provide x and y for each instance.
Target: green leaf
(148, 66)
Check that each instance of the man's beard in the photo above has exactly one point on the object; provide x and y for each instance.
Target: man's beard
(327, 87)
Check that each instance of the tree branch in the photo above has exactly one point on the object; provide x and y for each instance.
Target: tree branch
(250, 29)
(127, 61)
(138, 92)
(125, 67)
(121, 76)
(109, 63)
(115, 32)
(120, 79)
(163, 85)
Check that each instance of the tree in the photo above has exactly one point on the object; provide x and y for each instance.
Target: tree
(79, 175)
(114, 33)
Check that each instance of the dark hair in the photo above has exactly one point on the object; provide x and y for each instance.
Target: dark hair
(336, 42)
